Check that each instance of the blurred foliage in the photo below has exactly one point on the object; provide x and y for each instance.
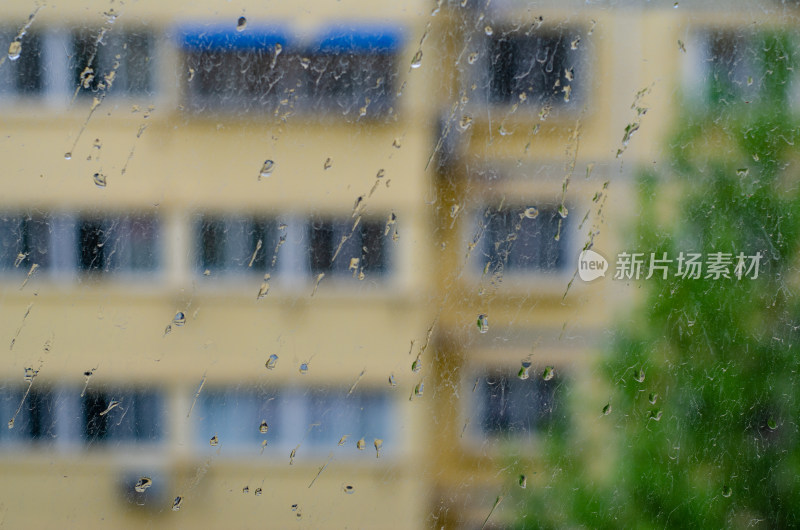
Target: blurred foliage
(721, 355)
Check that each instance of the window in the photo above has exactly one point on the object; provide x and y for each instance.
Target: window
(112, 62)
(36, 419)
(237, 244)
(317, 419)
(231, 71)
(24, 241)
(121, 415)
(117, 244)
(24, 75)
(235, 416)
(507, 406)
(342, 72)
(337, 247)
(334, 413)
(518, 239)
(347, 83)
(533, 67)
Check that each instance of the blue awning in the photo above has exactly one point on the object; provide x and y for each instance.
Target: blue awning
(339, 39)
(219, 37)
(364, 39)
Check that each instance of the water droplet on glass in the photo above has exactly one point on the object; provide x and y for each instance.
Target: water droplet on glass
(378, 444)
(655, 415)
(483, 323)
(99, 180)
(67, 156)
(11, 423)
(246, 490)
(392, 380)
(264, 289)
(241, 24)
(562, 211)
(266, 169)
(381, 173)
(416, 61)
(652, 398)
(343, 439)
(14, 50)
(639, 376)
(548, 373)
(214, 441)
(531, 213)
(272, 361)
(524, 370)
(176, 504)
(488, 30)
(258, 492)
(349, 489)
(523, 481)
(303, 368)
(472, 57)
(361, 444)
(727, 491)
(180, 319)
(772, 424)
(465, 122)
(142, 484)
(742, 172)
(419, 389)
(294, 507)
(574, 44)
(305, 62)
(396, 143)
(327, 164)
(263, 428)
(675, 5)
(416, 366)
(607, 409)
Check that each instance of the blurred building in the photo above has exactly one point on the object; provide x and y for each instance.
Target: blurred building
(556, 109)
(315, 262)
(186, 194)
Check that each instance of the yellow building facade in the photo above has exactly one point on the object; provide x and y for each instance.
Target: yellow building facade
(315, 263)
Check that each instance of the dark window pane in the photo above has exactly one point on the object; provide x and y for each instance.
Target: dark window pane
(28, 68)
(212, 250)
(86, 60)
(515, 242)
(514, 406)
(95, 426)
(373, 257)
(322, 245)
(535, 65)
(92, 239)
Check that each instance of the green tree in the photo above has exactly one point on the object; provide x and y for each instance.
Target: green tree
(706, 373)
